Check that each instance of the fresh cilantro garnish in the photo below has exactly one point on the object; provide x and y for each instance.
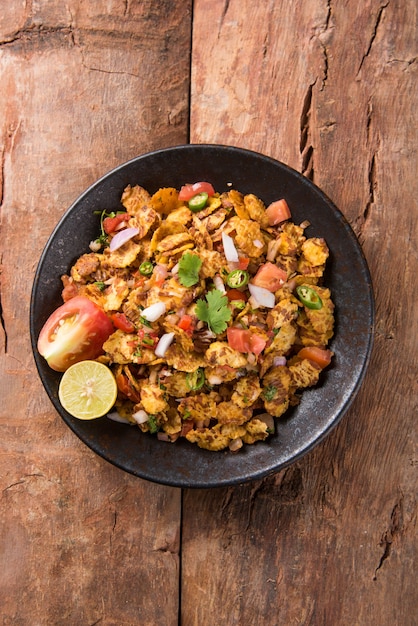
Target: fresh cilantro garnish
(269, 393)
(215, 311)
(100, 285)
(153, 424)
(189, 266)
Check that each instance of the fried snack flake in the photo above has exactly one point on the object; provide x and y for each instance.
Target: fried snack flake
(204, 344)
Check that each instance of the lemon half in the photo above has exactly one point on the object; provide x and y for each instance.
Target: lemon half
(87, 390)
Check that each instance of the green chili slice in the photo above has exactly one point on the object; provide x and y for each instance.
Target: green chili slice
(195, 380)
(198, 202)
(238, 304)
(237, 278)
(309, 297)
(146, 268)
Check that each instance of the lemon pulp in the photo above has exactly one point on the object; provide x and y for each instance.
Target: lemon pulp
(87, 390)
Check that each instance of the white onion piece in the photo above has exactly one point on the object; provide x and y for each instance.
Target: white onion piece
(175, 269)
(264, 297)
(235, 444)
(115, 417)
(122, 237)
(154, 311)
(95, 246)
(140, 416)
(219, 283)
(162, 346)
(230, 250)
(279, 361)
(268, 420)
(163, 437)
(258, 243)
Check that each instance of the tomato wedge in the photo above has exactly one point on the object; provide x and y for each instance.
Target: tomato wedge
(187, 192)
(277, 212)
(110, 224)
(122, 322)
(320, 356)
(125, 387)
(244, 340)
(270, 277)
(74, 332)
(235, 294)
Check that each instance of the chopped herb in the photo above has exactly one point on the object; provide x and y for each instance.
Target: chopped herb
(186, 414)
(153, 425)
(102, 238)
(138, 351)
(148, 341)
(189, 266)
(269, 393)
(145, 322)
(100, 285)
(276, 331)
(215, 311)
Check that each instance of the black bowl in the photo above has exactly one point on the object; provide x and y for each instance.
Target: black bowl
(182, 464)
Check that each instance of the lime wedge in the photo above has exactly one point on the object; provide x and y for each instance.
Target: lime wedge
(87, 390)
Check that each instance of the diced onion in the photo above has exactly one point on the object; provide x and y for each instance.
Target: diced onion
(140, 416)
(122, 237)
(279, 361)
(115, 417)
(163, 437)
(153, 312)
(175, 269)
(163, 345)
(230, 250)
(235, 444)
(263, 296)
(268, 420)
(95, 246)
(219, 283)
(258, 243)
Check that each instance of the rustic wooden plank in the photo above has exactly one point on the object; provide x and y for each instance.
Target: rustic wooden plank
(84, 86)
(329, 88)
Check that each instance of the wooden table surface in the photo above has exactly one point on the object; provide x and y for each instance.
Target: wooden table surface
(328, 87)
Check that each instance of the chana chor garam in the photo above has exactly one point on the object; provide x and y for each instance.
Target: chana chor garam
(208, 308)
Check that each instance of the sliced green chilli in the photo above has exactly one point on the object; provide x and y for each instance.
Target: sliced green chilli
(237, 278)
(198, 202)
(195, 380)
(309, 297)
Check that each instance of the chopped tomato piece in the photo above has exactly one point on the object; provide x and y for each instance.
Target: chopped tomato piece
(76, 331)
(243, 263)
(320, 356)
(125, 387)
(122, 322)
(244, 340)
(185, 322)
(277, 212)
(187, 192)
(110, 224)
(236, 294)
(270, 277)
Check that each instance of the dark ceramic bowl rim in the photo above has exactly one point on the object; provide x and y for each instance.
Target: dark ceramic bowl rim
(182, 464)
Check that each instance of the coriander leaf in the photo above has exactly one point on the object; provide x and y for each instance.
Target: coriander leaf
(189, 266)
(215, 311)
(269, 393)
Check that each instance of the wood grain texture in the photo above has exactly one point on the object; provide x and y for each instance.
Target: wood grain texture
(84, 87)
(329, 88)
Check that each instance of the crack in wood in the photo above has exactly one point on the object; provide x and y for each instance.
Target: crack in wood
(305, 147)
(395, 527)
(373, 35)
